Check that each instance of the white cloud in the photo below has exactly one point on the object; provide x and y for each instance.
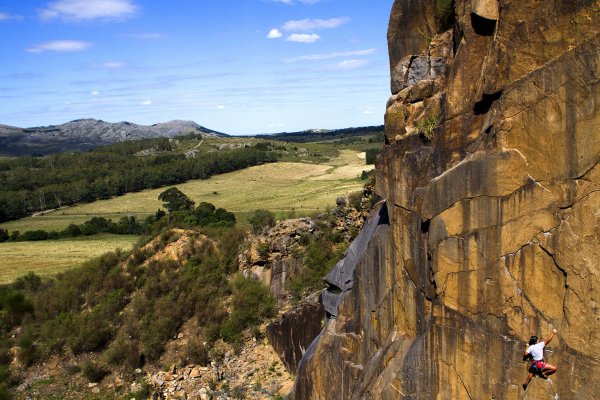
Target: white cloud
(113, 65)
(367, 111)
(60, 46)
(80, 10)
(6, 17)
(303, 37)
(274, 34)
(94, 93)
(220, 107)
(309, 24)
(146, 102)
(328, 56)
(144, 35)
(348, 65)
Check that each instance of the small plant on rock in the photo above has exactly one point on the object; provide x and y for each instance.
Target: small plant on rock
(427, 126)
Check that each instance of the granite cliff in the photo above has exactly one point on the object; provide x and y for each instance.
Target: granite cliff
(489, 228)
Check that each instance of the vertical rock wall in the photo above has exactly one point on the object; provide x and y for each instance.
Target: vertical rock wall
(492, 182)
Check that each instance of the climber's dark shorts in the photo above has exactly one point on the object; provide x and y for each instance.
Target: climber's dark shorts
(537, 367)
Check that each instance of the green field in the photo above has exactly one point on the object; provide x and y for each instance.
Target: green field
(52, 256)
(280, 187)
(286, 188)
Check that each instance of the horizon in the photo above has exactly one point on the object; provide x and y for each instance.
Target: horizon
(244, 67)
(205, 127)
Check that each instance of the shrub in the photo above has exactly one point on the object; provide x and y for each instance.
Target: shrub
(56, 331)
(155, 333)
(427, 127)
(13, 307)
(3, 235)
(29, 282)
(354, 199)
(261, 219)
(124, 351)
(196, 352)
(371, 156)
(28, 350)
(144, 392)
(263, 249)
(92, 332)
(251, 302)
(321, 256)
(93, 371)
(5, 392)
(34, 235)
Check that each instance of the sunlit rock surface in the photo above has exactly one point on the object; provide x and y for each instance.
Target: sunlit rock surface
(492, 180)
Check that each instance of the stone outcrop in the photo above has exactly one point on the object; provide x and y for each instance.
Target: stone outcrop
(492, 182)
(278, 254)
(292, 332)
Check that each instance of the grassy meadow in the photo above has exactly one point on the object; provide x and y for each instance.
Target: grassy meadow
(51, 256)
(280, 187)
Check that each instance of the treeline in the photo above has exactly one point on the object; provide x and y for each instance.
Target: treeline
(126, 226)
(319, 136)
(29, 184)
(206, 214)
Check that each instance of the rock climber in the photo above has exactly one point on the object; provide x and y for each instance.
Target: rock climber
(535, 353)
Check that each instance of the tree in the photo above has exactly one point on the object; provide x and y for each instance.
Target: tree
(175, 200)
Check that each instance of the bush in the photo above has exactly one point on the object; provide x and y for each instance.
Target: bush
(427, 127)
(34, 235)
(28, 350)
(354, 199)
(261, 219)
(3, 235)
(5, 392)
(251, 302)
(13, 307)
(144, 392)
(196, 352)
(371, 156)
(92, 332)
(93, 371)
(320, 258)
(124, 351)
(29, 282)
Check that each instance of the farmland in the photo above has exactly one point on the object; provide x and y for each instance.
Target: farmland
(52, 256)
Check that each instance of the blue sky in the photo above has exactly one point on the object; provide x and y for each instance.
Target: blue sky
(236, 66)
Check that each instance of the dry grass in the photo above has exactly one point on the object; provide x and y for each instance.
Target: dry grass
(51, 256)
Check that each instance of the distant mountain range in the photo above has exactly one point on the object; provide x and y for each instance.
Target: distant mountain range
(316, 135)
(84, 134)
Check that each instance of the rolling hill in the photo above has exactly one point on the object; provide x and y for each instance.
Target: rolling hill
(85, 134)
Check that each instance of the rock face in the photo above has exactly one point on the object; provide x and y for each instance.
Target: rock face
(276, 255)
(492, 182)
(293, 332)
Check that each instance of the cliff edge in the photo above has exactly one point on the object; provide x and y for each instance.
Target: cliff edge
(491, 181)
